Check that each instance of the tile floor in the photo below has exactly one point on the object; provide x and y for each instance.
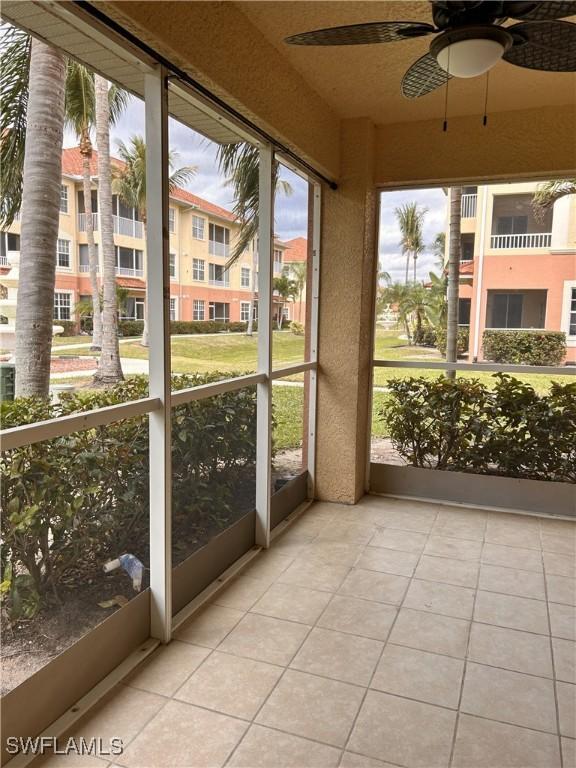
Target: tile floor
(392, 633)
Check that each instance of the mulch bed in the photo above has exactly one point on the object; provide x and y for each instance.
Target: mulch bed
(63, 364)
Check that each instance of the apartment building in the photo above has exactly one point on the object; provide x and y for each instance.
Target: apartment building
(517, 270)
(202, 237)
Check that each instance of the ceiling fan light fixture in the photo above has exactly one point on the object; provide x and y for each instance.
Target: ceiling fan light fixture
(470, 51)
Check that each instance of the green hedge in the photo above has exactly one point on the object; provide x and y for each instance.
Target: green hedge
(463, 425)
(70, 327)
(130, 327)
(425, 337)
(524, 347)
(461, 344)
(207, 326)
(69, 504)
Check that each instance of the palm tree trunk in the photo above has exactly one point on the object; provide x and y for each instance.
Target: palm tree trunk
(42, 178)
(86, 152)
(415, 257)
(407, 267)
(109, 368)
(453, 279)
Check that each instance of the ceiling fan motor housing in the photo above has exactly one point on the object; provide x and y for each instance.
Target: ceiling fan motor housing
(471, 50)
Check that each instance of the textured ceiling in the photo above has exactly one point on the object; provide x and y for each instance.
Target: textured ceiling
(364, 80)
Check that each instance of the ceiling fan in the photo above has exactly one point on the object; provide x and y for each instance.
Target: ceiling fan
(469, 39)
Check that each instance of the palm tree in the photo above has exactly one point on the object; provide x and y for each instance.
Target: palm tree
(109, 367)
(287, 290)
(396, 296)
(415, 302)
(130, 185)
(438, 248)
(410, 218)
(41, 180)
(454, 248)
(240, 163)
(298, 273)
(550, 191)
(81, 117)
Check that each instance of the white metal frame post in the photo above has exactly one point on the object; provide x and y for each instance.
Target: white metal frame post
(313, 354)
(158, 297)
(264, 389)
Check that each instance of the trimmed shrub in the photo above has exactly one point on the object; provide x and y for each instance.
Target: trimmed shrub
(425, 337)
(70, 327)
(522, 347)
(462, 425)
(297, 328)
(130, 327)
(208, 326)
(461, 344)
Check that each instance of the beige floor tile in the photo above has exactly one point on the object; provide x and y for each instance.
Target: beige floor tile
(241, 593)
(568, 752)
(559, 565)
(230, 684)
(209, 626)
(351, 760)
(459, 549)
(405, 541)
(122, 713)
(403, 732)
(511, 697)
(512, 612)
(460, 529)
(512, 535)
(48, 760)
(183, 735)
(510, 581)
(460, 573)
(340, 656)
(290, 542)
(309, 525)
(315, 575)
(406, 521)
(561, 589)
(313, 707)
(268, 565)
(358, 617)
(285, 601)
(563, 621)
(388, 561)
(363, 514)
(564, 544)
(510, 649)
(567, 709)
(435, 597)
(372, 585)
(564, 659)
(486, 744)
(419, 675)
(513, 557)
(353, 533)
(265, 639)
(429, 632)
(264, 748)
(167, 668)
(328, 551)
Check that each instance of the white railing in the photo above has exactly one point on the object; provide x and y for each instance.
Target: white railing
(528, 240)
(221, 283)
(82, 222)
(129, 271)
(128, 227)
(3, 260)
(468, 206)
(218, 249)
(86, 268)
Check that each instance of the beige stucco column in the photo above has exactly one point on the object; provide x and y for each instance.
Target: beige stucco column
(347, 281)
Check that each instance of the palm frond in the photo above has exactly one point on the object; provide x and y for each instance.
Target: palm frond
(548, 192)
(118, 100)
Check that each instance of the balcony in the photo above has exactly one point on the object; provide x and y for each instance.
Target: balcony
(82, 222)
(4, 260)
(219, 283)
(122, 225)
(129, 272)
(86, 268)
(218, 249)
(526, 240)
(468, 206)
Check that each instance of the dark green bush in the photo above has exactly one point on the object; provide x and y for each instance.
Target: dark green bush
(70, 503)
(462, 425)
(461, 344)
(524, 347)
(70, 327)
(425, 337)
(297, 328)
(130, 327)
(207, 326)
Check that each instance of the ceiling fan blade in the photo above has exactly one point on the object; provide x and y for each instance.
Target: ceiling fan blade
(542, 11)
(363, 34)
(424, 76)
(545, 45)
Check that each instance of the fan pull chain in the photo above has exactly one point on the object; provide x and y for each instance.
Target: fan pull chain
(445, 128)
(485, 118)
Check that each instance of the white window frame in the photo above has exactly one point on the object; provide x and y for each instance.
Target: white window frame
(198, 268)
(64, 199)
(569, 286)
(171, 220)
(173, 266)
(245, 276)
(173, 308)
(198, 227)
(198, 309)
(217, 247)
(56, 315)
(67, 252)
(212, 279)
(245, 311)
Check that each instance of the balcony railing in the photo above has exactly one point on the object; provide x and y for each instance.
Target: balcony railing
(86, 268)
(82, 221)
(218, 249)
(129, 271)
(528, 240)
(468, 206)
(122, 225)
(3, 260)
(221, 283)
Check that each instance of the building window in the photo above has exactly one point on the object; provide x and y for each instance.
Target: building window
(277, 260)
(84, 258)
(63, 253)
(172, 266)
(133, 309)
(219, 311)
(218, 275)
(518, 309)
(198, 227)
(218, 240)
(8, 242)
(129, 261)
(572, 318)
(198, 310)
(171, 219)
(464, 306)
(173, 309)
(467, 247)
(62, 306)
(197, 269)
(63, 198)
(244, 311)
(245, 277)
(285, 313)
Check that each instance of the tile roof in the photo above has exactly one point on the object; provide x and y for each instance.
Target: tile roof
(72, 166)
(131, 282)
(296, 249)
